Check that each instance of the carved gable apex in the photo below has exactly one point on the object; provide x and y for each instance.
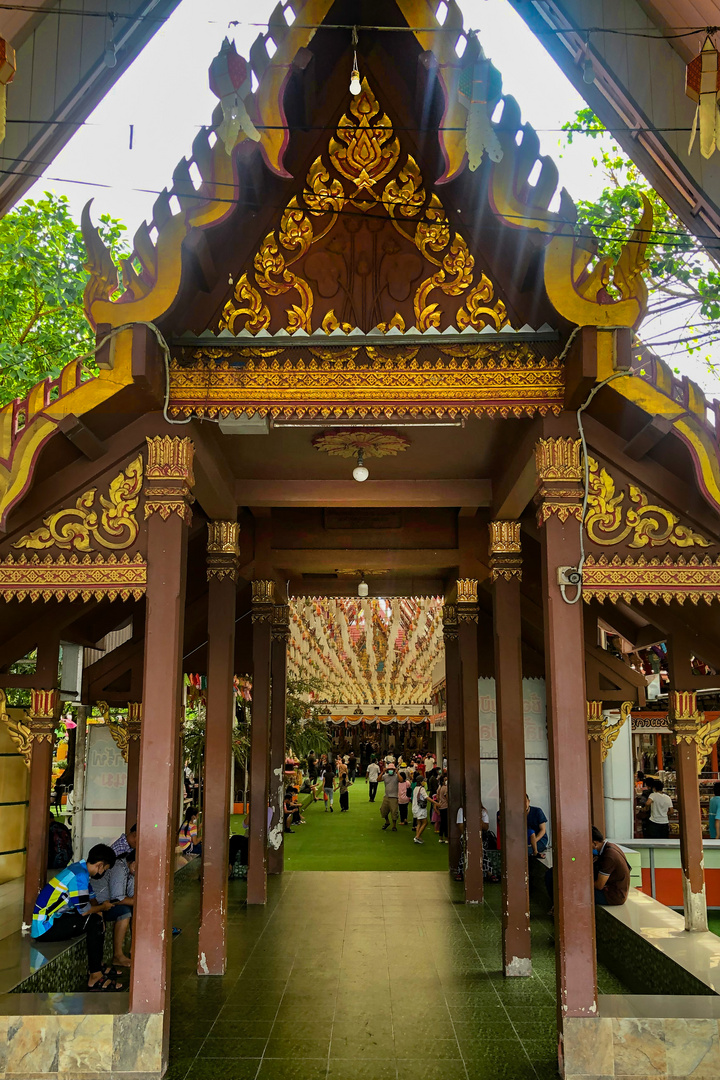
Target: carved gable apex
(366, 244)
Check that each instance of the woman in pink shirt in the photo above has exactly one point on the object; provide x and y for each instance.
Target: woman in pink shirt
(403, 797)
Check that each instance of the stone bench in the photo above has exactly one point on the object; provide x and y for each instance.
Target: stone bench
(646, 945)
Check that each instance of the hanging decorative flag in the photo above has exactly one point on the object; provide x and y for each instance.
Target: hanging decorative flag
(230, 81)
(702, 84)
(474, 93)
(7, 74)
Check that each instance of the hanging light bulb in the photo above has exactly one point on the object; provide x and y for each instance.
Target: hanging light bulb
(362, 586)
(360, 473)
(110, 54)
(588, 70)
(355, 84)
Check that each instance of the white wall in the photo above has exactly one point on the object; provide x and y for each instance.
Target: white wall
(618, 776)
(536, 747)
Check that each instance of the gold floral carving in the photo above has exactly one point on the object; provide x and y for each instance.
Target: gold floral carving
(72, 578)
(558, 459)
(560, 475)
(595, 720)
(505, 550)
(657, 580)
(118, 730)
(18, 731)
(496, 381)
(75, 528)
(608, 522)
(263, 600)
(363, 152)
(707, 737)
(223, 551)
(505, 537)
(467, 598)
(610, 732)
(348, 442)
(450, 622)
(281, 623)
(170, 477)
(685, 718)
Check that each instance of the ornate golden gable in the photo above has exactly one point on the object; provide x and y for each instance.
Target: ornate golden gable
(363, 175)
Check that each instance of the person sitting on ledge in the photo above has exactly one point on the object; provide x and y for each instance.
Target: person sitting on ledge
(188, 835)
(125, 842)
(120, 888)
(612, 872)
(66, 908)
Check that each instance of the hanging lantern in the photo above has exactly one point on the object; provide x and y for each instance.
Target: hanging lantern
(7, 74)
(702, 84)
(230, 81)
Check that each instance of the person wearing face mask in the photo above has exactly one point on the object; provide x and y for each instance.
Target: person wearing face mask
(389, 806)
(67, 907)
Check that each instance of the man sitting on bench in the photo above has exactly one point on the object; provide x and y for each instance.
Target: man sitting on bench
(66, 908)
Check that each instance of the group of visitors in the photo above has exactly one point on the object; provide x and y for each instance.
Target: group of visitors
(411, 787)
(83, 898)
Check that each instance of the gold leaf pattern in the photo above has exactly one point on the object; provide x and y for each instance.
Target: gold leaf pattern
(75, 528)
(608, 522)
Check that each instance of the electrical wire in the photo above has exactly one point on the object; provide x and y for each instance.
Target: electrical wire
(576, 572)
(642, 32)
(264, 205)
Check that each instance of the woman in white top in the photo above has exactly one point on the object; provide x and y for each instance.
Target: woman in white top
(658, 806)
(420, 808)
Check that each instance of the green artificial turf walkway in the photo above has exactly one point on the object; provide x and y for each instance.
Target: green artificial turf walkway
(356, 841)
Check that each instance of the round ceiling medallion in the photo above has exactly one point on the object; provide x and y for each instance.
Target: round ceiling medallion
(373, 442)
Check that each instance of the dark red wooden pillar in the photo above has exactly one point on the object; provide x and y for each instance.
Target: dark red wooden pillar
(134, 729)
(278, 670)
(467, 614)
(685, 720)
(559, 501)
(42, 720)
(595, 727)
(454, 723)
(169, 479)
(222, 567)
(262, 616)
(506, 574)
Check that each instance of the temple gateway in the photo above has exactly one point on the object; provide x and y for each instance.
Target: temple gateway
(388, 280)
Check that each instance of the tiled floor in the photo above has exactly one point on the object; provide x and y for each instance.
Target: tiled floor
(376, 975)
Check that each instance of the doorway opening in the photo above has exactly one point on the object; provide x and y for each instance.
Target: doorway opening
(368, 674)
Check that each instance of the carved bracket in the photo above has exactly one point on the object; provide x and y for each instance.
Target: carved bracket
(505, 550)
(170, 477)
(559, 479)
(223, 552)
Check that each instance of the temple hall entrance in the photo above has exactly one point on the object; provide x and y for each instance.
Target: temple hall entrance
(366, 696)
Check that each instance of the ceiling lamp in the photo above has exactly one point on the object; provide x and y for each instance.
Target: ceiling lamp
(362, 586)
(360, 472)
(355, 84)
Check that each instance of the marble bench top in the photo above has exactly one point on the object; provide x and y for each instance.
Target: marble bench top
(696, 951)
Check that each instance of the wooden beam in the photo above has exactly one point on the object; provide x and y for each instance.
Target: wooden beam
(331, 560)
(517, 485)
(80, 435)
(346, 493)
(648, 437)
(214, 483)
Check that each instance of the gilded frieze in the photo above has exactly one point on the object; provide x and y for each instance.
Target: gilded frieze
(363, 176)
(657, 580)
(610, 520)
(78, 528)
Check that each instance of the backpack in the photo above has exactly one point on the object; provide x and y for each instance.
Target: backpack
(60, 850)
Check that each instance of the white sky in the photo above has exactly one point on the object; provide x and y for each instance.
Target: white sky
(166, 97)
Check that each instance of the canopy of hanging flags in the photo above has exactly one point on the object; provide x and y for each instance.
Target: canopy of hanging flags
(367, 651)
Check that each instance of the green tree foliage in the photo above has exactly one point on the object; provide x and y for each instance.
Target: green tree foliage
(681, 277)
(42, 279)
(306, 729)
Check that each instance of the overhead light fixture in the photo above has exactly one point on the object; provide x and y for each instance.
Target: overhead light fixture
(355, 84)
(588, 71)
(362, 586)
(360, 473)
